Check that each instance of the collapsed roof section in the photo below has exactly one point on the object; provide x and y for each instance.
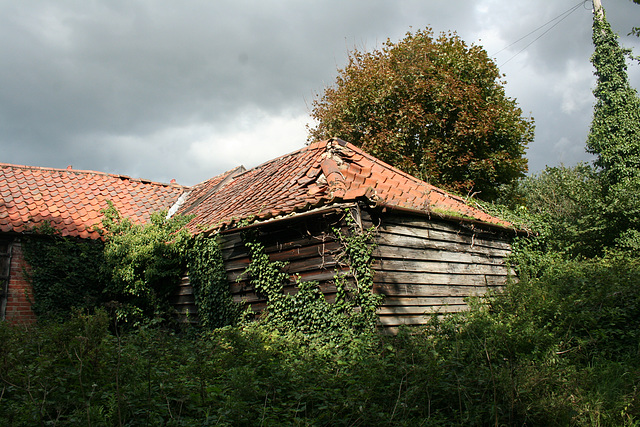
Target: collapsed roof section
(318, 175)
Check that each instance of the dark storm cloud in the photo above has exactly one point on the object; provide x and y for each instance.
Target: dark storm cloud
(187, 89)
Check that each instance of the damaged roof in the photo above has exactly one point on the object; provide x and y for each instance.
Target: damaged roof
(71, 200)
(318, 175)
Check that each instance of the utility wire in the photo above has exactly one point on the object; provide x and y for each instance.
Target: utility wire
(559, 18)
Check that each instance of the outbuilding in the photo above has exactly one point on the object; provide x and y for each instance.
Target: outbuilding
(432, 248)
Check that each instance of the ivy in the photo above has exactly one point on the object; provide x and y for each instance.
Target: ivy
(210, 287)
(615, 137)
(63, 273)
(307, 311)
(357, 254)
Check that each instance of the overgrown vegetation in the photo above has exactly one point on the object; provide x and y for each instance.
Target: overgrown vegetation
(306, 311)
(210, 287)
(143, 264)
(560, 346)
(131, 273)
(64, 273)
(561, 349)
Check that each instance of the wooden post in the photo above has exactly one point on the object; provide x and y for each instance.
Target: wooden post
(597, 8)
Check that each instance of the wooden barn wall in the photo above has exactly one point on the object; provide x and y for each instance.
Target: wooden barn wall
(425, 266)
(184, 302)
(422, 266)
(306, 244)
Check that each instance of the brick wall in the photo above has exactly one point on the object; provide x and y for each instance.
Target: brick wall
(18, 308)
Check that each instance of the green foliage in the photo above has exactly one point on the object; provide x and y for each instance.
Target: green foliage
(210, 287)
(435, 108)
(307, 311)
(143, 263)
(546, 352)
(358, 246)
(615, 136)
(566, 205)
(615, 130)
(132, 272)
(63, 273)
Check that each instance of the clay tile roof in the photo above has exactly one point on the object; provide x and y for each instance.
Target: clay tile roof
(71, 200)
(319, 174)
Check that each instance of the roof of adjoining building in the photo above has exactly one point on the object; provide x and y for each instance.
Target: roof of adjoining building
(318, 175)
(71, 200)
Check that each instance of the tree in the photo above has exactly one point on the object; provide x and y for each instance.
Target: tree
(564, 205)
(615, 134)
(435, 108)
(635, 30)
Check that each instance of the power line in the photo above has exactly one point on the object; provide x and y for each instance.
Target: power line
(558, 18)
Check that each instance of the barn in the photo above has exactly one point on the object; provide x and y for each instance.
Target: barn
(432, 249)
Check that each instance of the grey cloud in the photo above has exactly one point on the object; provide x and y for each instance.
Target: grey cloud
(101, 84)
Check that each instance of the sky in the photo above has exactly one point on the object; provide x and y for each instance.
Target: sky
(186, 90)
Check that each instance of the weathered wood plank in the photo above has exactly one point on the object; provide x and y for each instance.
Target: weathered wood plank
(383, 238)
(387, 265)
(391, 301)
(413, 290)
(182, 300)
(438, 279)
(447, 236)
(442, 225)
(309, 251)
(286, 249)
(422, 319)
(184, 290)
(418, 310)
(405, 253)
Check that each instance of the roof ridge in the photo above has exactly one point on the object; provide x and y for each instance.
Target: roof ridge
(313, 146)
(384, 164)
(91, 172)
(227, 177)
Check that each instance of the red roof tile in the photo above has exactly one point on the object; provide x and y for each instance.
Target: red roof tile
(71, 200)
(320, 174)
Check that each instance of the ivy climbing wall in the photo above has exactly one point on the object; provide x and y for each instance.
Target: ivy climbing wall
(307, 244)
(421, 265)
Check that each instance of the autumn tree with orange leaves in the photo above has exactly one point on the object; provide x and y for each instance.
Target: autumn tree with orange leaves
(435, 108)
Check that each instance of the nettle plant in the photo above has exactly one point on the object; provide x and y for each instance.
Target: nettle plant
(307, 311)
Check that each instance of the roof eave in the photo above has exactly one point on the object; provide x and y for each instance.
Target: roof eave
(453, 218)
